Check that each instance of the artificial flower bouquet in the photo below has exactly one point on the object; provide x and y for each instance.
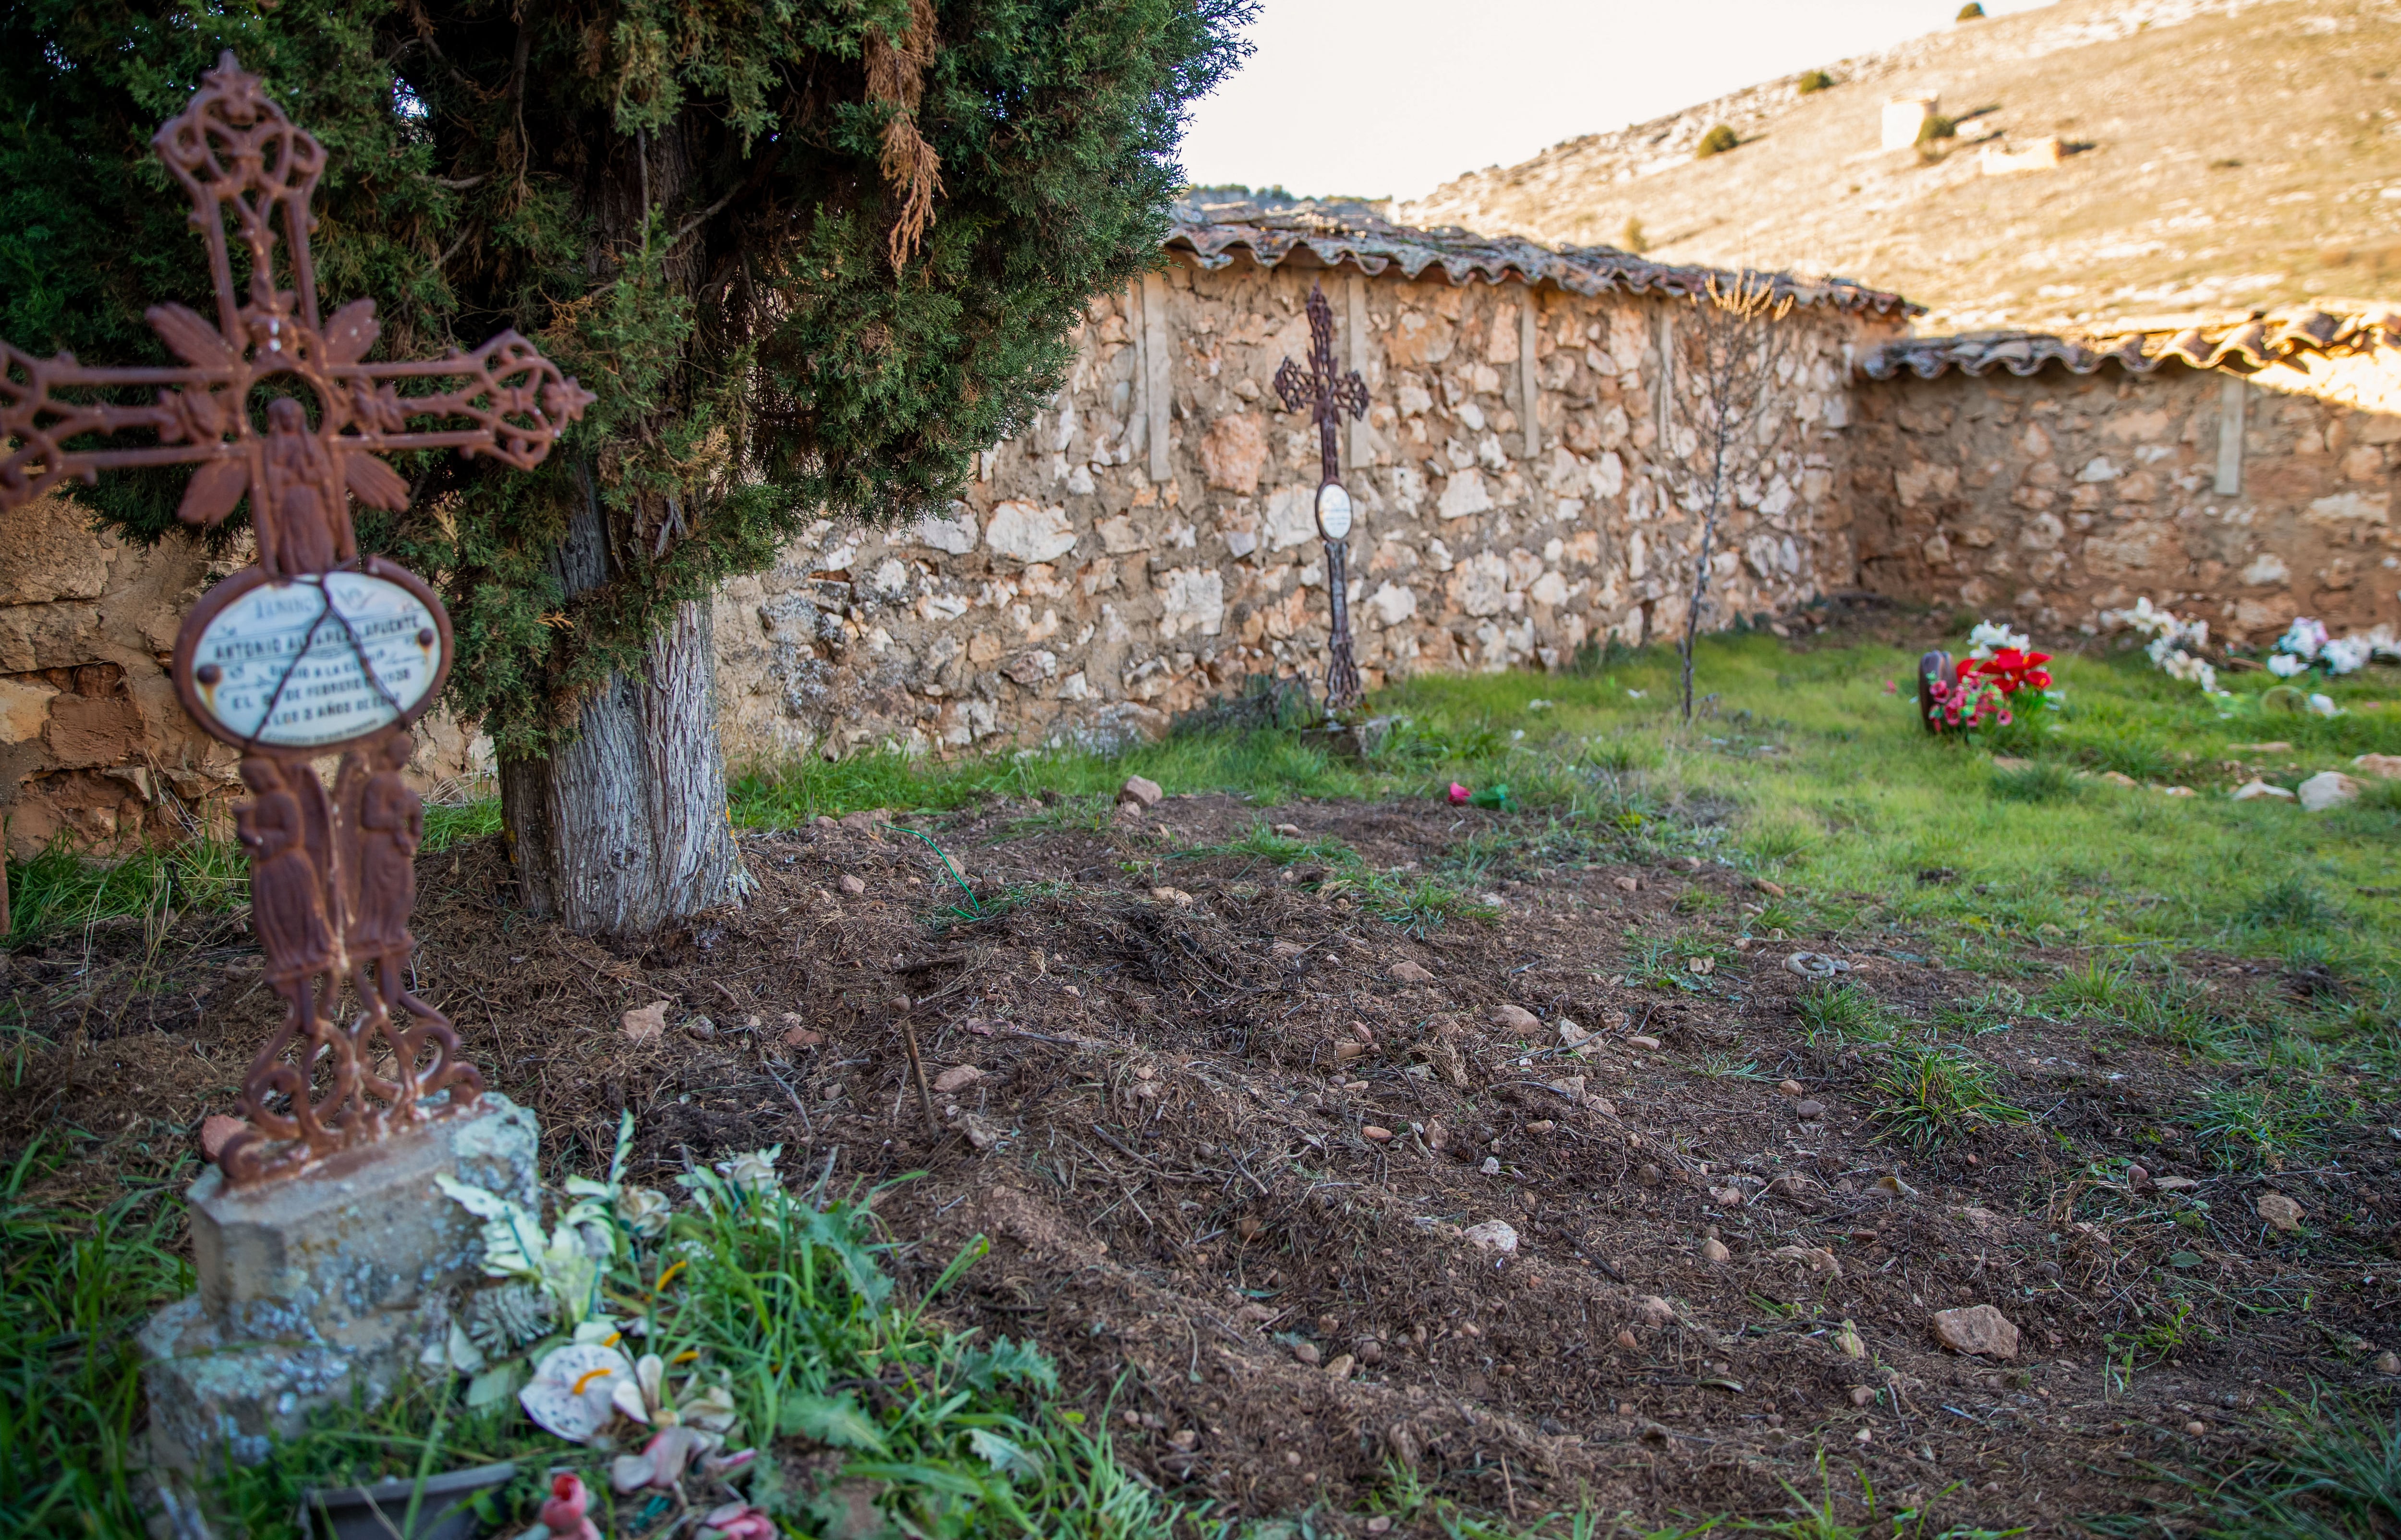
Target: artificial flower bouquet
(1979, 690)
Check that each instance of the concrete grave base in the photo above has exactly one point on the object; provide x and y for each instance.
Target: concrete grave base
(341, 1277)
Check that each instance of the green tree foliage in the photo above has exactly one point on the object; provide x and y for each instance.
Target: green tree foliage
(1632, 238)
(812, 257)
(1814, 81)
(1718, 141)
(1972, 11)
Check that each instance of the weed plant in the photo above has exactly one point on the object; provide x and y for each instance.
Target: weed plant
(1928, 1094)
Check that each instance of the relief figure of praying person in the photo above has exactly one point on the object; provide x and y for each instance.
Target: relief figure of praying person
(309, 521)
(391, 825)
(285, 902)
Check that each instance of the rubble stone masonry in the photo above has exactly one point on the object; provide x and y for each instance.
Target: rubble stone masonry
(1084, 590)
(2055, 497)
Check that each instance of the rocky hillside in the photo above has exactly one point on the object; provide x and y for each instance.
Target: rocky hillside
(2216, 156)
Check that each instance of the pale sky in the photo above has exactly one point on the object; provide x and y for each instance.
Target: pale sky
(1390, 98)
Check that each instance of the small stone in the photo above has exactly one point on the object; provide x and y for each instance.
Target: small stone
(1370, 1351)
(2137, 1178)
(1703, 965)
(2120, 778)
(1789, 1087)
(1650, 1176)
(2280, 1211)
(1406, 972)
(1375, 1134)
(797, 1033)
(1498, 1235)
(1515, 1018)
(1773, 889)
(981, 1132)
(2255, 788)
(1438, 1137)
(1380, 1524)
(2196, 1429)
(1652, 1310)
(1570, 1034)
(1627, 1341)
(1140, 792)
(1289, 831)
(644, 1023)
(2384, 767)
(2388, 1362)
(1714, 1250)
(1248, 1227)
(1341, 1366)
(2174, 1184)
(1847, 1338)
(1184, 1438)
(2326, 789)
(1807, 1111)
(1979, 1330)
(1627, 884)
(216, 1129)
(1648, 1044)
(1176, 896)
(1306, 1352)
(1863, 1397)
(957, 1078)
(1491, 1167)
(1540, 1126)
(851, 885)
(701, 1028)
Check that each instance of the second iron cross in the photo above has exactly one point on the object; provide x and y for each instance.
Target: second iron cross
(1329, 397)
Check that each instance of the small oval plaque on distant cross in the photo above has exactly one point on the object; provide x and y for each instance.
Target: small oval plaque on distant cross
(1332, 510)
(312, 662)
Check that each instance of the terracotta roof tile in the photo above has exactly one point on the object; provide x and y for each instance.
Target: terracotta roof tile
(2241, 343)
(1327, 234)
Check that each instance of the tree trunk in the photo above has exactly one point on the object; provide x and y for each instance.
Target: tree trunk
(626, 828)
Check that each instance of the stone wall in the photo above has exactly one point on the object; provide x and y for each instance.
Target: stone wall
(1093, 582)
(2053, 497)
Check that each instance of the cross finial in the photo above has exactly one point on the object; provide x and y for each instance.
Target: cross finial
(1328, 394)
(244, 163)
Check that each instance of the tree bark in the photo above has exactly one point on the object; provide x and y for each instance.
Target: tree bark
(626, 828)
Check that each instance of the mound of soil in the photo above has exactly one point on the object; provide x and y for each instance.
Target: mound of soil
(1306, 1192)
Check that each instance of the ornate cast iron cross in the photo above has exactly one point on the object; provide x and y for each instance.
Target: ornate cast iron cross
(315, 649)
(1329, 396)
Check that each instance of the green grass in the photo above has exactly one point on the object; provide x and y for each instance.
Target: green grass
(61, 890)
(1928, 1094)
(75, 1284)
(2335, 1470)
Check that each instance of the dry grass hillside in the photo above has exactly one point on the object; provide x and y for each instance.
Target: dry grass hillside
(2221, 156)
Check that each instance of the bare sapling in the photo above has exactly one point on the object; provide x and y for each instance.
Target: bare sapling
(1733, 355)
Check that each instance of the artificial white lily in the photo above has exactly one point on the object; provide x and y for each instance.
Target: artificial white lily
(573, 1390)
(753, 1171)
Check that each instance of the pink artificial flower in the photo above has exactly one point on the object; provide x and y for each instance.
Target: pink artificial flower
(563, 1514)
(1458, 795)
(738, 1522)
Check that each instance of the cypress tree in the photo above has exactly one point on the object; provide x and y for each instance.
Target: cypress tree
(811, 255)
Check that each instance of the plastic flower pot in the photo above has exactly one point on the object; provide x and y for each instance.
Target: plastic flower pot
(381, 1512)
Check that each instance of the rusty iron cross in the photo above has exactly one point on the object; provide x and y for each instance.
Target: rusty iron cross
(315, 648)
(1329, 395)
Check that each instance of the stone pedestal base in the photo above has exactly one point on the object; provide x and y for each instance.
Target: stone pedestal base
(337, 1278)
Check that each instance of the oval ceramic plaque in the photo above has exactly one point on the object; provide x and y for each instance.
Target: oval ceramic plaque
(1332, 510)
(314, 662)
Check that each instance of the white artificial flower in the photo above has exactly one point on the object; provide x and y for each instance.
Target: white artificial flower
(645, 1210)
(2347, 655)
(573, 1390)
(2284, 666)
(1990, 636)
(754, 1170)
(2302, 638)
